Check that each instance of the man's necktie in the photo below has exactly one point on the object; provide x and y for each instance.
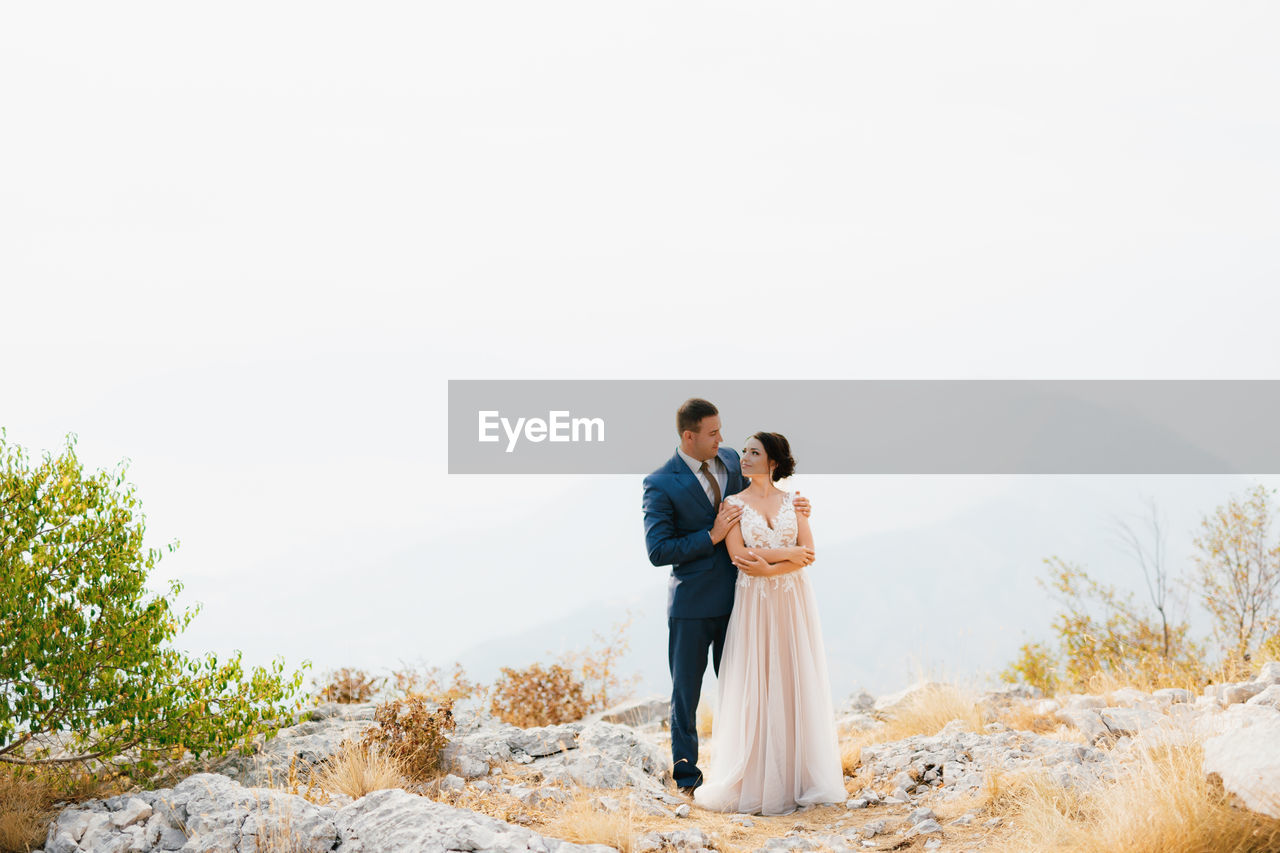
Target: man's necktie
(715, 487)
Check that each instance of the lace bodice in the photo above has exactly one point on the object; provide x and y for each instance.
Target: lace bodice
(756, 532)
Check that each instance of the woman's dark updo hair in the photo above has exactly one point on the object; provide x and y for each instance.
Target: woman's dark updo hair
(778, 449)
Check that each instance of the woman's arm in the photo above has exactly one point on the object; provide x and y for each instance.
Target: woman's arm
(804, 536)
(753, 564)
(780, 555)
(784, 563)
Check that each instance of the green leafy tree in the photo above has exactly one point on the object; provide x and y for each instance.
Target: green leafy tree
(85, 652)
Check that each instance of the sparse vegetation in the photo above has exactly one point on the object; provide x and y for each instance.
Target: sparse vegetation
(359, 768)
(581, 683)
(27, 797)
(85, 650)
(1161, 803)
(538, 696)
(434, 684)
(1102, 634)
(348, 686)
(1238, 571)
(413, 732)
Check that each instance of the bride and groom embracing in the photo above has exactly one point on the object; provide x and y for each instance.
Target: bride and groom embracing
(738, 546)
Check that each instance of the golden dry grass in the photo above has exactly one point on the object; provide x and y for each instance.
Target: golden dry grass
(27, 797)
(24, 812)
(581, 822)
(1161, 803)
(1022, 715)
(357, 769)
(926, 713)
(705, 719)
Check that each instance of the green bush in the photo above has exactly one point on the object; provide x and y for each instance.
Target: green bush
(85, 652)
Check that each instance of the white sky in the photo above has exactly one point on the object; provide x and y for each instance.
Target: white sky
(245, 246)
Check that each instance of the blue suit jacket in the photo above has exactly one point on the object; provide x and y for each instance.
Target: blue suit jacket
(677, 519)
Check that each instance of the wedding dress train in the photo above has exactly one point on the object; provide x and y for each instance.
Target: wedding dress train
(773, 742)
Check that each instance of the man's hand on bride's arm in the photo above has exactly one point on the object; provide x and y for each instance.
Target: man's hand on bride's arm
(801, 504)
(726, 518)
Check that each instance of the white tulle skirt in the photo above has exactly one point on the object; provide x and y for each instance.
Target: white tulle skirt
(773, 740)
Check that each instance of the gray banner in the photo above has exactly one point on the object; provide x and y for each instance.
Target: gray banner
(876, 426)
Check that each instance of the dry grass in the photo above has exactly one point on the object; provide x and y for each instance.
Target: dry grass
(580, 822)
(705, 719)
(1022, 715)
(27, 797)
(24, 812)
(1161, 803)
(357, 769)
(924, 714)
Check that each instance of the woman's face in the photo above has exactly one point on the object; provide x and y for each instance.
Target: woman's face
(755, 462)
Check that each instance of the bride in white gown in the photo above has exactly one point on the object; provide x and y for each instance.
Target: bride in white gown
(773, 740)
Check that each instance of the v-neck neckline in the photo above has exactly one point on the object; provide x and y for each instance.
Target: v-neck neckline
(781, 504)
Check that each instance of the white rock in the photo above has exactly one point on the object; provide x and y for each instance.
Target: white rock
(1084, 701)
(1247, 759)
(924, 827)
(1128, 697)
(134, 811)
(1088, 721)
(1236, 693)
(394, 819)
(680, 839)
(1127, 722)
(1270, 673)
(895, 701)
(1173, 695)
(637, 713)
(1269, 697)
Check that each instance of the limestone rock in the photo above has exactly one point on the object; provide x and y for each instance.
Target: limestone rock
(395, 820)
(1246, 756)
(655, 710)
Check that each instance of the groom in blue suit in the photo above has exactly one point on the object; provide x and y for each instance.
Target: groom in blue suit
(685, 524)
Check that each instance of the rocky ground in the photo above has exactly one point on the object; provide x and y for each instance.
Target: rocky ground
(514, 789)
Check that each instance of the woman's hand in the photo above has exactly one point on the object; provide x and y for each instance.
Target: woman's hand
(802, 555)
(753, 564)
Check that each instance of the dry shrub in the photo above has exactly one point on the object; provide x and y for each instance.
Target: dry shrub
(535, 696)
(413, 732)
(433, 683)
(597, 667)
(357, 769)
(580, 683)
(348, 686)
(1161, 802)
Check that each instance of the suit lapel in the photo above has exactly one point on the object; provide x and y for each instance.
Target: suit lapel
(733, 483)
(691, 482)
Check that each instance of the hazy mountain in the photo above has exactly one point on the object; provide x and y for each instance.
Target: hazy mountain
(953, 598)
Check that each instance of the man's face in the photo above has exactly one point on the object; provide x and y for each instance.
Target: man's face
(705, 443)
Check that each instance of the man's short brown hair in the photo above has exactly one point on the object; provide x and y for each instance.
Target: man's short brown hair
(691, 413)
